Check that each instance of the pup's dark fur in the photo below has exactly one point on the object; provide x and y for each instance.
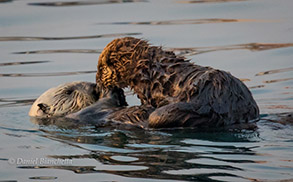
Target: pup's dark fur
(184, 94)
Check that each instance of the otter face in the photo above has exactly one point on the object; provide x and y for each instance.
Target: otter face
(65, 99)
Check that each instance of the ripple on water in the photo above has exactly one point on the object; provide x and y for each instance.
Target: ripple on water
(46, 74)
(22, 63)
(124, 158)
(185, 21)
(208, 1)
(43, 177)
(120, 168)
(79, 51)
(274, 71)
(8, 102)
(82, 3)
(21, 38)
(189, 51)
(6, 1)
(264, 154)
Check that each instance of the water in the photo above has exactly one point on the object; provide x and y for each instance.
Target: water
(46, 43)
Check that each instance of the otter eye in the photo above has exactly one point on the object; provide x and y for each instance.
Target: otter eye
(68, 92)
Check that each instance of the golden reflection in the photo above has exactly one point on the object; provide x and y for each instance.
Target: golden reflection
(274, 71)
(186, 21)
(277, 80)
(257, 86)
(245, 79)
(279, 107)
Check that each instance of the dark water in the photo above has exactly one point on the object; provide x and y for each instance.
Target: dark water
(46, 43)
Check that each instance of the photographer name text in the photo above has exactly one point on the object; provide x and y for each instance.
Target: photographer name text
(40, 161)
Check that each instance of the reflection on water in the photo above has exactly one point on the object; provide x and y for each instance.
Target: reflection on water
(277, 80)
(18, 38)
(95, 51)
(128, 154)
(244, 79)
(7, 102)
(274, 71)
(5, 1)
(184, 51)
(43, 177)
(186, 21)
(257, 86)
(282, 118)
(179, 154)
(156, 154)
(22, 62)
(46, 74)
(250, 46)
(280, 106)
(209, 1)
(80, 3)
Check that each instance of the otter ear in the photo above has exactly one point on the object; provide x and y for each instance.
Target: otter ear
(118, 95)
(44, 107)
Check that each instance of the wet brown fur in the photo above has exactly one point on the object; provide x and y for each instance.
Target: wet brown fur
(183, 93)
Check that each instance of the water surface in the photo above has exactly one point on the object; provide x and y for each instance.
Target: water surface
(46, 43)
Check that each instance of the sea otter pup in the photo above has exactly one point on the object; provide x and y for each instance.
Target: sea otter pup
(69, 98)
(77, 103)
(184, 94)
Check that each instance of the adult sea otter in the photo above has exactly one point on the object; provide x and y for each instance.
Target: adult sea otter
(183, 94)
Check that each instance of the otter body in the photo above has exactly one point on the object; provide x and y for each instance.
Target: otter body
(78, 102)
(182, 93)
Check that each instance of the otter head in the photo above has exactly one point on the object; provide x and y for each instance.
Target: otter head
(64, 99)
(118, 60)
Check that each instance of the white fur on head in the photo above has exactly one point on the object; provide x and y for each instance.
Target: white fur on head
(64, 99)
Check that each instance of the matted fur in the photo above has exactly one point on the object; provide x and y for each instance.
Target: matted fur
(185, 94)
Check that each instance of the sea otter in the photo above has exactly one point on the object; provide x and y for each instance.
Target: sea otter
(72, 97)
(78, 103)
(65, 99)
(183, 94)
